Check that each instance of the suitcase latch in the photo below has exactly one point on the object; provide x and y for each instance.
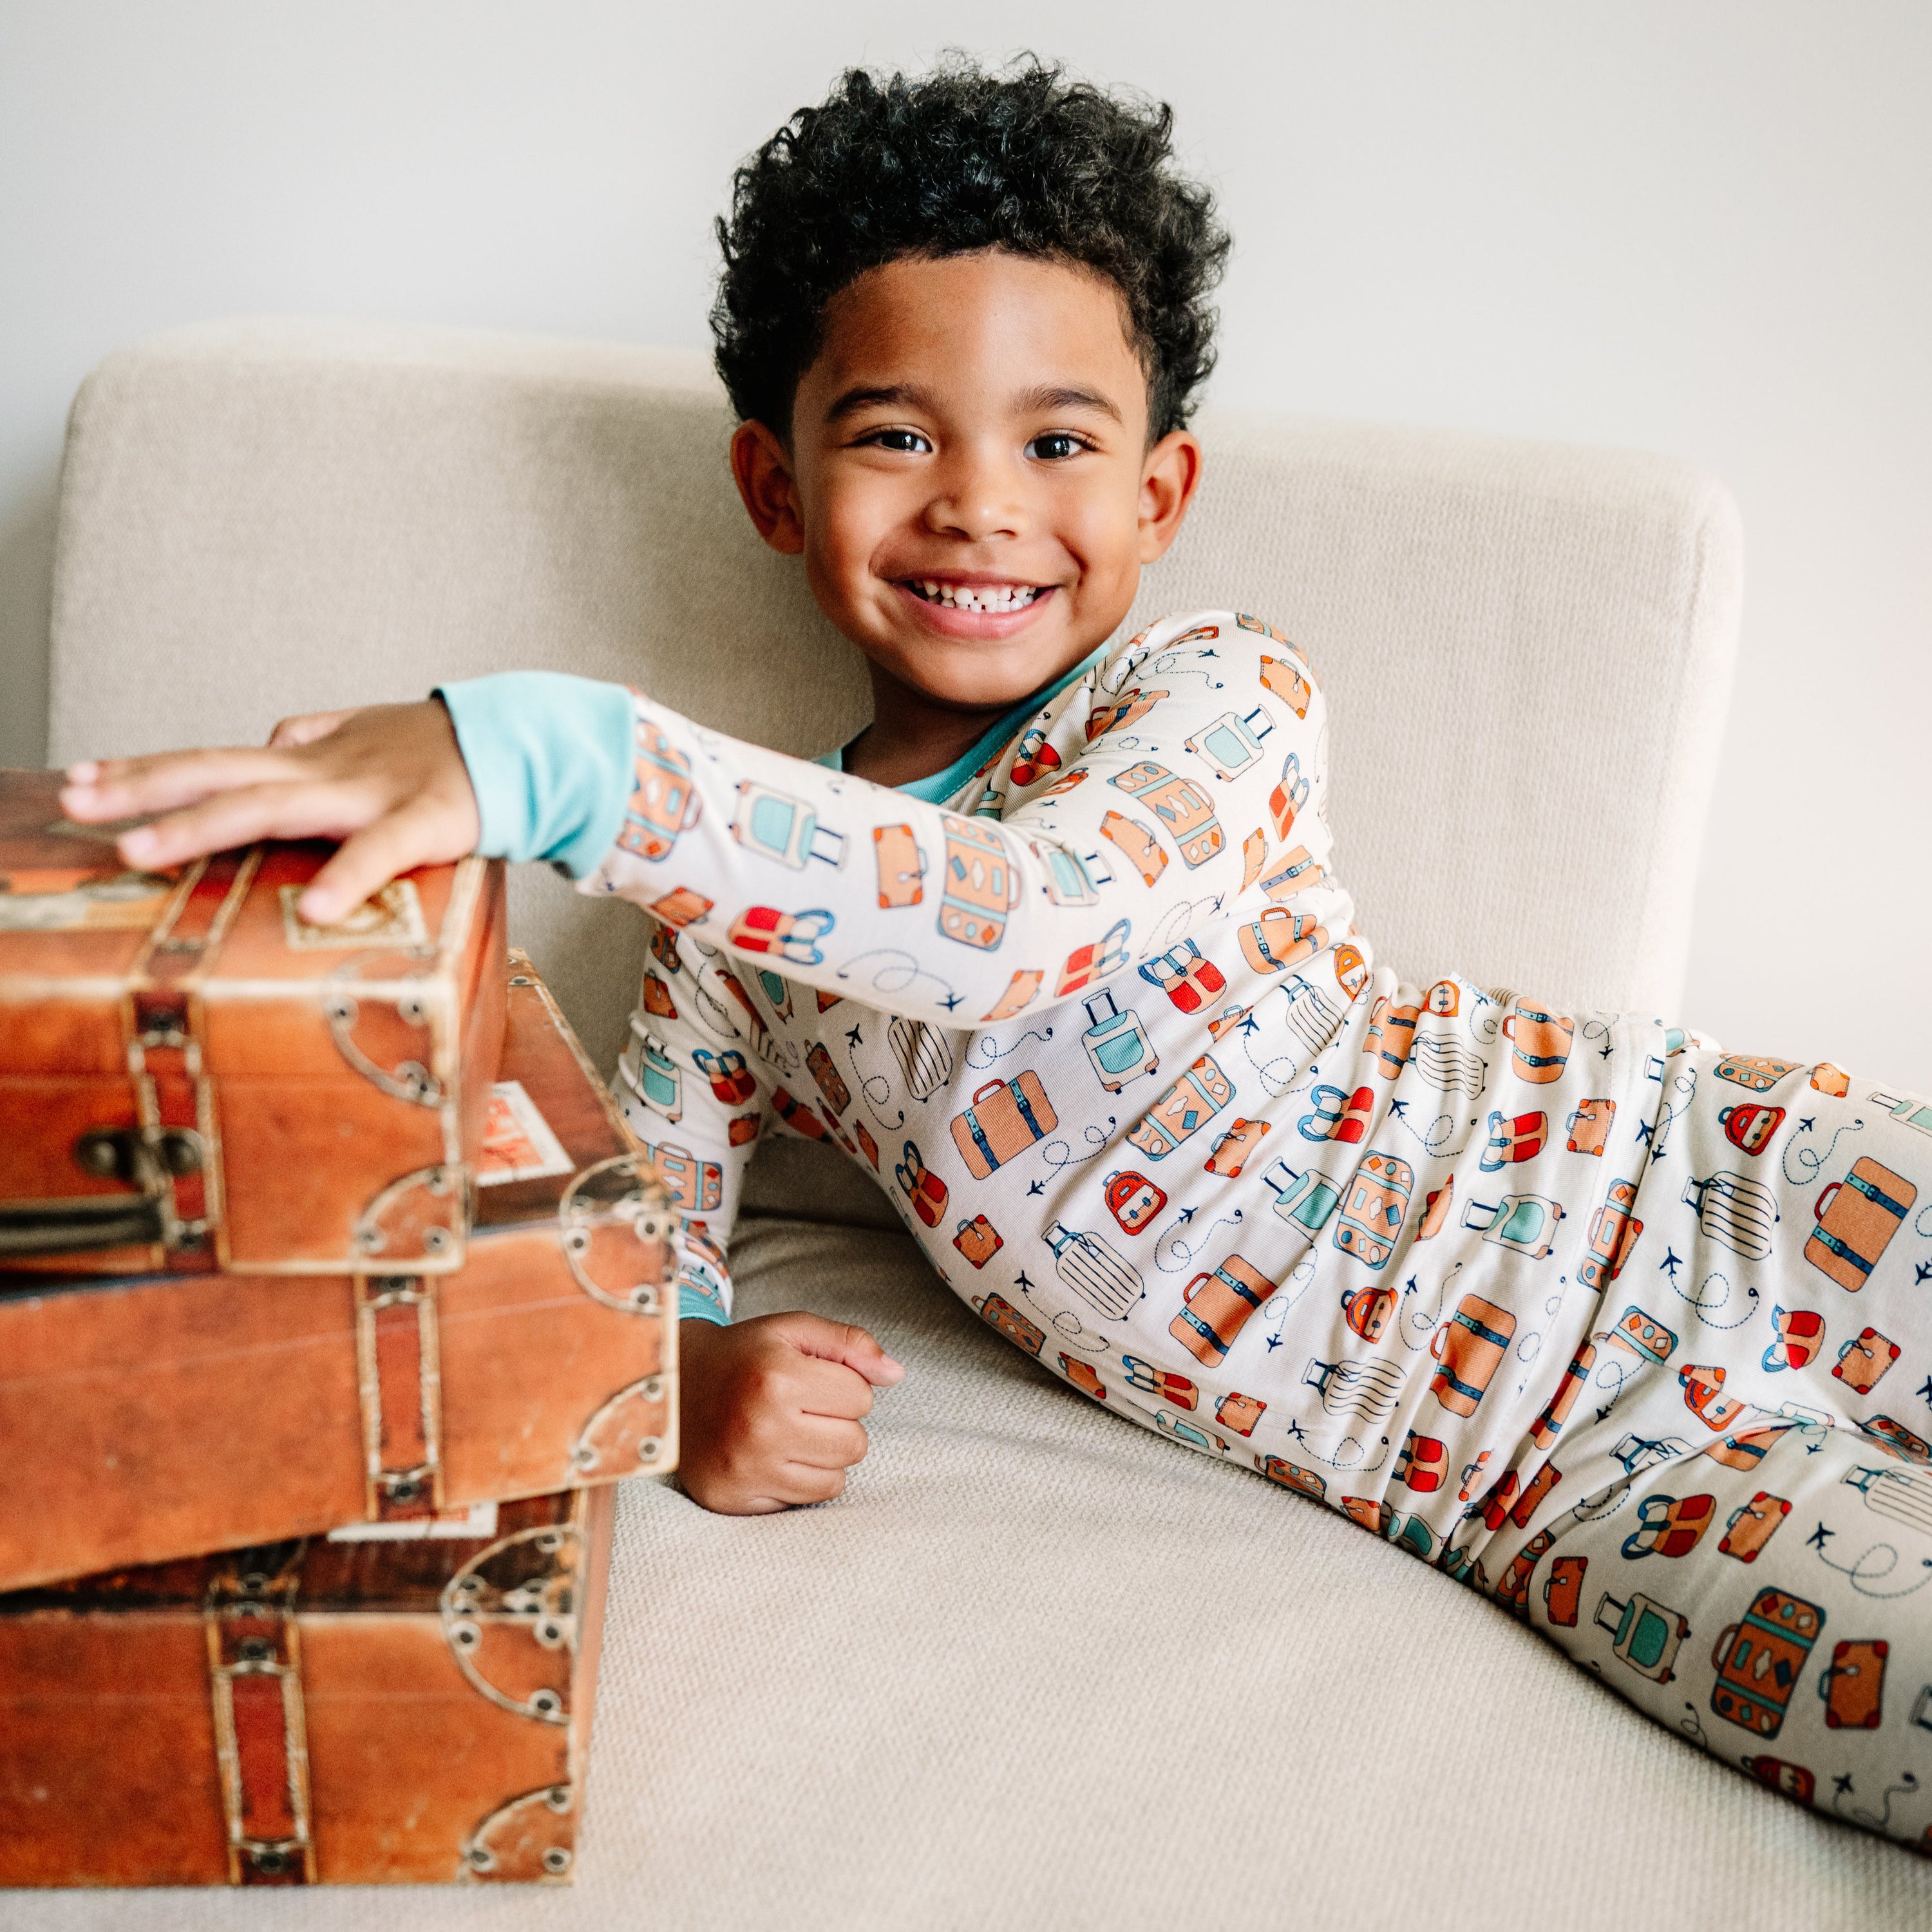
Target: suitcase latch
(149, 1160)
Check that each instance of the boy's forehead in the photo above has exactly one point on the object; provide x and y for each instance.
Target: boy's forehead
(992, 327)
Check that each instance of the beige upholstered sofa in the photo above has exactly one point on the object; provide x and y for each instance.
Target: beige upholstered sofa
(1036, 1668)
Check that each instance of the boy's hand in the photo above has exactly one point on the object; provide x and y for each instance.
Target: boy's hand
(770, 1409)
(388, 779)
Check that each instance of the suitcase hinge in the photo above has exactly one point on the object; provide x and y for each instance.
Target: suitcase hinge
(254, 1668)
(509, 1616)
(399, 1373)
(621, 1236)
(532, 1840)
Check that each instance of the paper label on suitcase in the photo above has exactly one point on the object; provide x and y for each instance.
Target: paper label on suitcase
(81, 899)
(518, 1142)
(478, 1520)
(393, 917)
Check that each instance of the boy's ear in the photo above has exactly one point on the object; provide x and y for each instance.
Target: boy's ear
(763, 471)
(1169, 480)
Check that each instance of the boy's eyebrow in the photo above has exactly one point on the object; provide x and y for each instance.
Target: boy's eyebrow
(855, 400)
(1048, 396)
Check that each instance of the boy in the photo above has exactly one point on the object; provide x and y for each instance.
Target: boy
(1055, 949)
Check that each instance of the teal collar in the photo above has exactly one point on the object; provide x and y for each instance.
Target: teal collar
(943, 785)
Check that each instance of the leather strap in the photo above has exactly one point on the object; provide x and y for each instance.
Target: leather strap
(399, 1372)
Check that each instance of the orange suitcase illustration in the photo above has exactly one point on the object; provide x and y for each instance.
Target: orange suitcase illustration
(1132, 705)
(1897, 1436)
(696, 1186)
(1745, 1450)
(657, 998)
(1239, 1413)
(1292, 1477)
(978, 1240)
(1469, 1347)
(797, 1116)
(1180, 804)
(1759, 1658)
(1298, 872)
(901, 866)
(1541, 1042)
(1200, 1093)
(680, 908)
(1549, 1425)
(1776, 1774)
(1513, 1138)
(1144, 852)
(742, 1129)
(1083, 1378)
(1643, 1335)
(1563, 1590)
(1021, 992)
(980, 888)
(1747, 1070)
(1215, 1308)
(663, 802)
(1162, 1382)
(1832, 1080)
(1590, 1127)
(1645, 1634)
(831, 1082)
(922, 1187)
(1853, 1685)
(1749, 1128)
(1285, 680)
(1538, 1486)
(1752, 1525)
(1352, 970)
(1005, 1118)
(1436, 1205)
(1280, 939)
(1368, 1512)
(1372, 1212)
(996, 1310)
(1857, 1218)
(1512, 1592)
(1703, 1396)
(1254, 857)
(1669, 1526)
(1391, 1037)
(1862, 1362)
(1232, 1149)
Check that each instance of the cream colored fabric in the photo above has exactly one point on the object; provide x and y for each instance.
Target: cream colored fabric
(1037, 1669)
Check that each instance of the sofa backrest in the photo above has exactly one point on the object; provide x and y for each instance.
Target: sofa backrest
(1527, 648)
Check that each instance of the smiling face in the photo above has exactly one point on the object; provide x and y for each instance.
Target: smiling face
(968, 476)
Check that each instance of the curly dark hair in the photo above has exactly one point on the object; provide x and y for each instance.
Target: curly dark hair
(946, 164)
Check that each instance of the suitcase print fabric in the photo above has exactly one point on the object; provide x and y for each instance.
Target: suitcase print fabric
(1759, 1659)
(1005, 1118)
(1857, 1218)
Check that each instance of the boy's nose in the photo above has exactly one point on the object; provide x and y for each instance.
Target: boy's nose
(977, 498)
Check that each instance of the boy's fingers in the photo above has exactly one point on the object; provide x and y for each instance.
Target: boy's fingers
(826, 1442)
(416, 834)
(287, 810)
(800, 1483)
(133, 787)
(305, 730)
(844, 1342)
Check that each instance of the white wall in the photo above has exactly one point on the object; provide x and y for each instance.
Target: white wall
(1692, 226)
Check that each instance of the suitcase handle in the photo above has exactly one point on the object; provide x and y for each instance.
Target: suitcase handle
(1824, 1201)
(990, 1086)
(1723, 1644)
(149, 1159)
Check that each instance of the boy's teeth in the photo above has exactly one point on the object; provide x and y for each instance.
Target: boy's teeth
(984, 597)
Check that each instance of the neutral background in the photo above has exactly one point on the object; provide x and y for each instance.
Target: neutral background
(1694, 226)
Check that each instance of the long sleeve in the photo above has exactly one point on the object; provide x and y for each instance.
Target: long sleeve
(1146, 797)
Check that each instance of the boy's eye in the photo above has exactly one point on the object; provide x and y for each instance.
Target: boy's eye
(1055, 446)
(908, 441)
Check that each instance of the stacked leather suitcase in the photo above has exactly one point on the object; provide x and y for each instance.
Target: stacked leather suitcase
(334, 1294)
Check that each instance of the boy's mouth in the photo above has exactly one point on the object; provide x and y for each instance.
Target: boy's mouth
(992, 598)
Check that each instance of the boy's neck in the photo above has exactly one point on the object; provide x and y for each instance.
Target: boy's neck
(911, 737)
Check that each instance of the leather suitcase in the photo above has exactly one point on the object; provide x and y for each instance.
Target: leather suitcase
(195, 1078)
(310, 1712)
(151, 1417)
(1005, 1118)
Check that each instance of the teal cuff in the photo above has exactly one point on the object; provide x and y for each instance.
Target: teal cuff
(550, 759)
(692, 1306)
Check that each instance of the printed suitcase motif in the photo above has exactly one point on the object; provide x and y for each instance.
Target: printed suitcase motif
(1239, 1413)
(1377, 1199)
(922, 1187)
(1132, 705)
(1180, 804)
(1162, 1382)
(978, 1240)
(1307, 1201)
(1563, 1590)
(1144, 852)
(1703, 1396)
(790, 936)
(1095, 960)
(1132, 1200)
(1752, 1525)
(1750, 1128)
(1669, 1526)
(1291, 1476)
(1215, 1307)
(1231, 1150)
(1735, 1211)
(1002, 1315)
(1368, 1311)
(1229, 746)
(1422, 1464)
(1759, 1658)
(1285, 679)
(1589, 1127)
(1200, 1094)
(780, 827)
(1747, 1070)
(1645, 1634)
(1799, 1335)
(1469, 1347)
(1391, 1039)
(1083, 1378)
(1862, 1362)
(1105, 1281)
(980, 888)
(1613, 1234)
(1337, 1116)
(1775, 1774)
(924, 1054)
(1288, 797)
(1643, 1335)
(664, 803)
(1857, 1218)
(1549, 1425)
(1298, 873)
(901, 866)
(1021, 990)
(1525, 1223)
(1513, 1138)
(1005, 1118)
(1280, 939)
(1188, 978)
(1853, 1685)
(831, 1082)
(1541, 1043)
